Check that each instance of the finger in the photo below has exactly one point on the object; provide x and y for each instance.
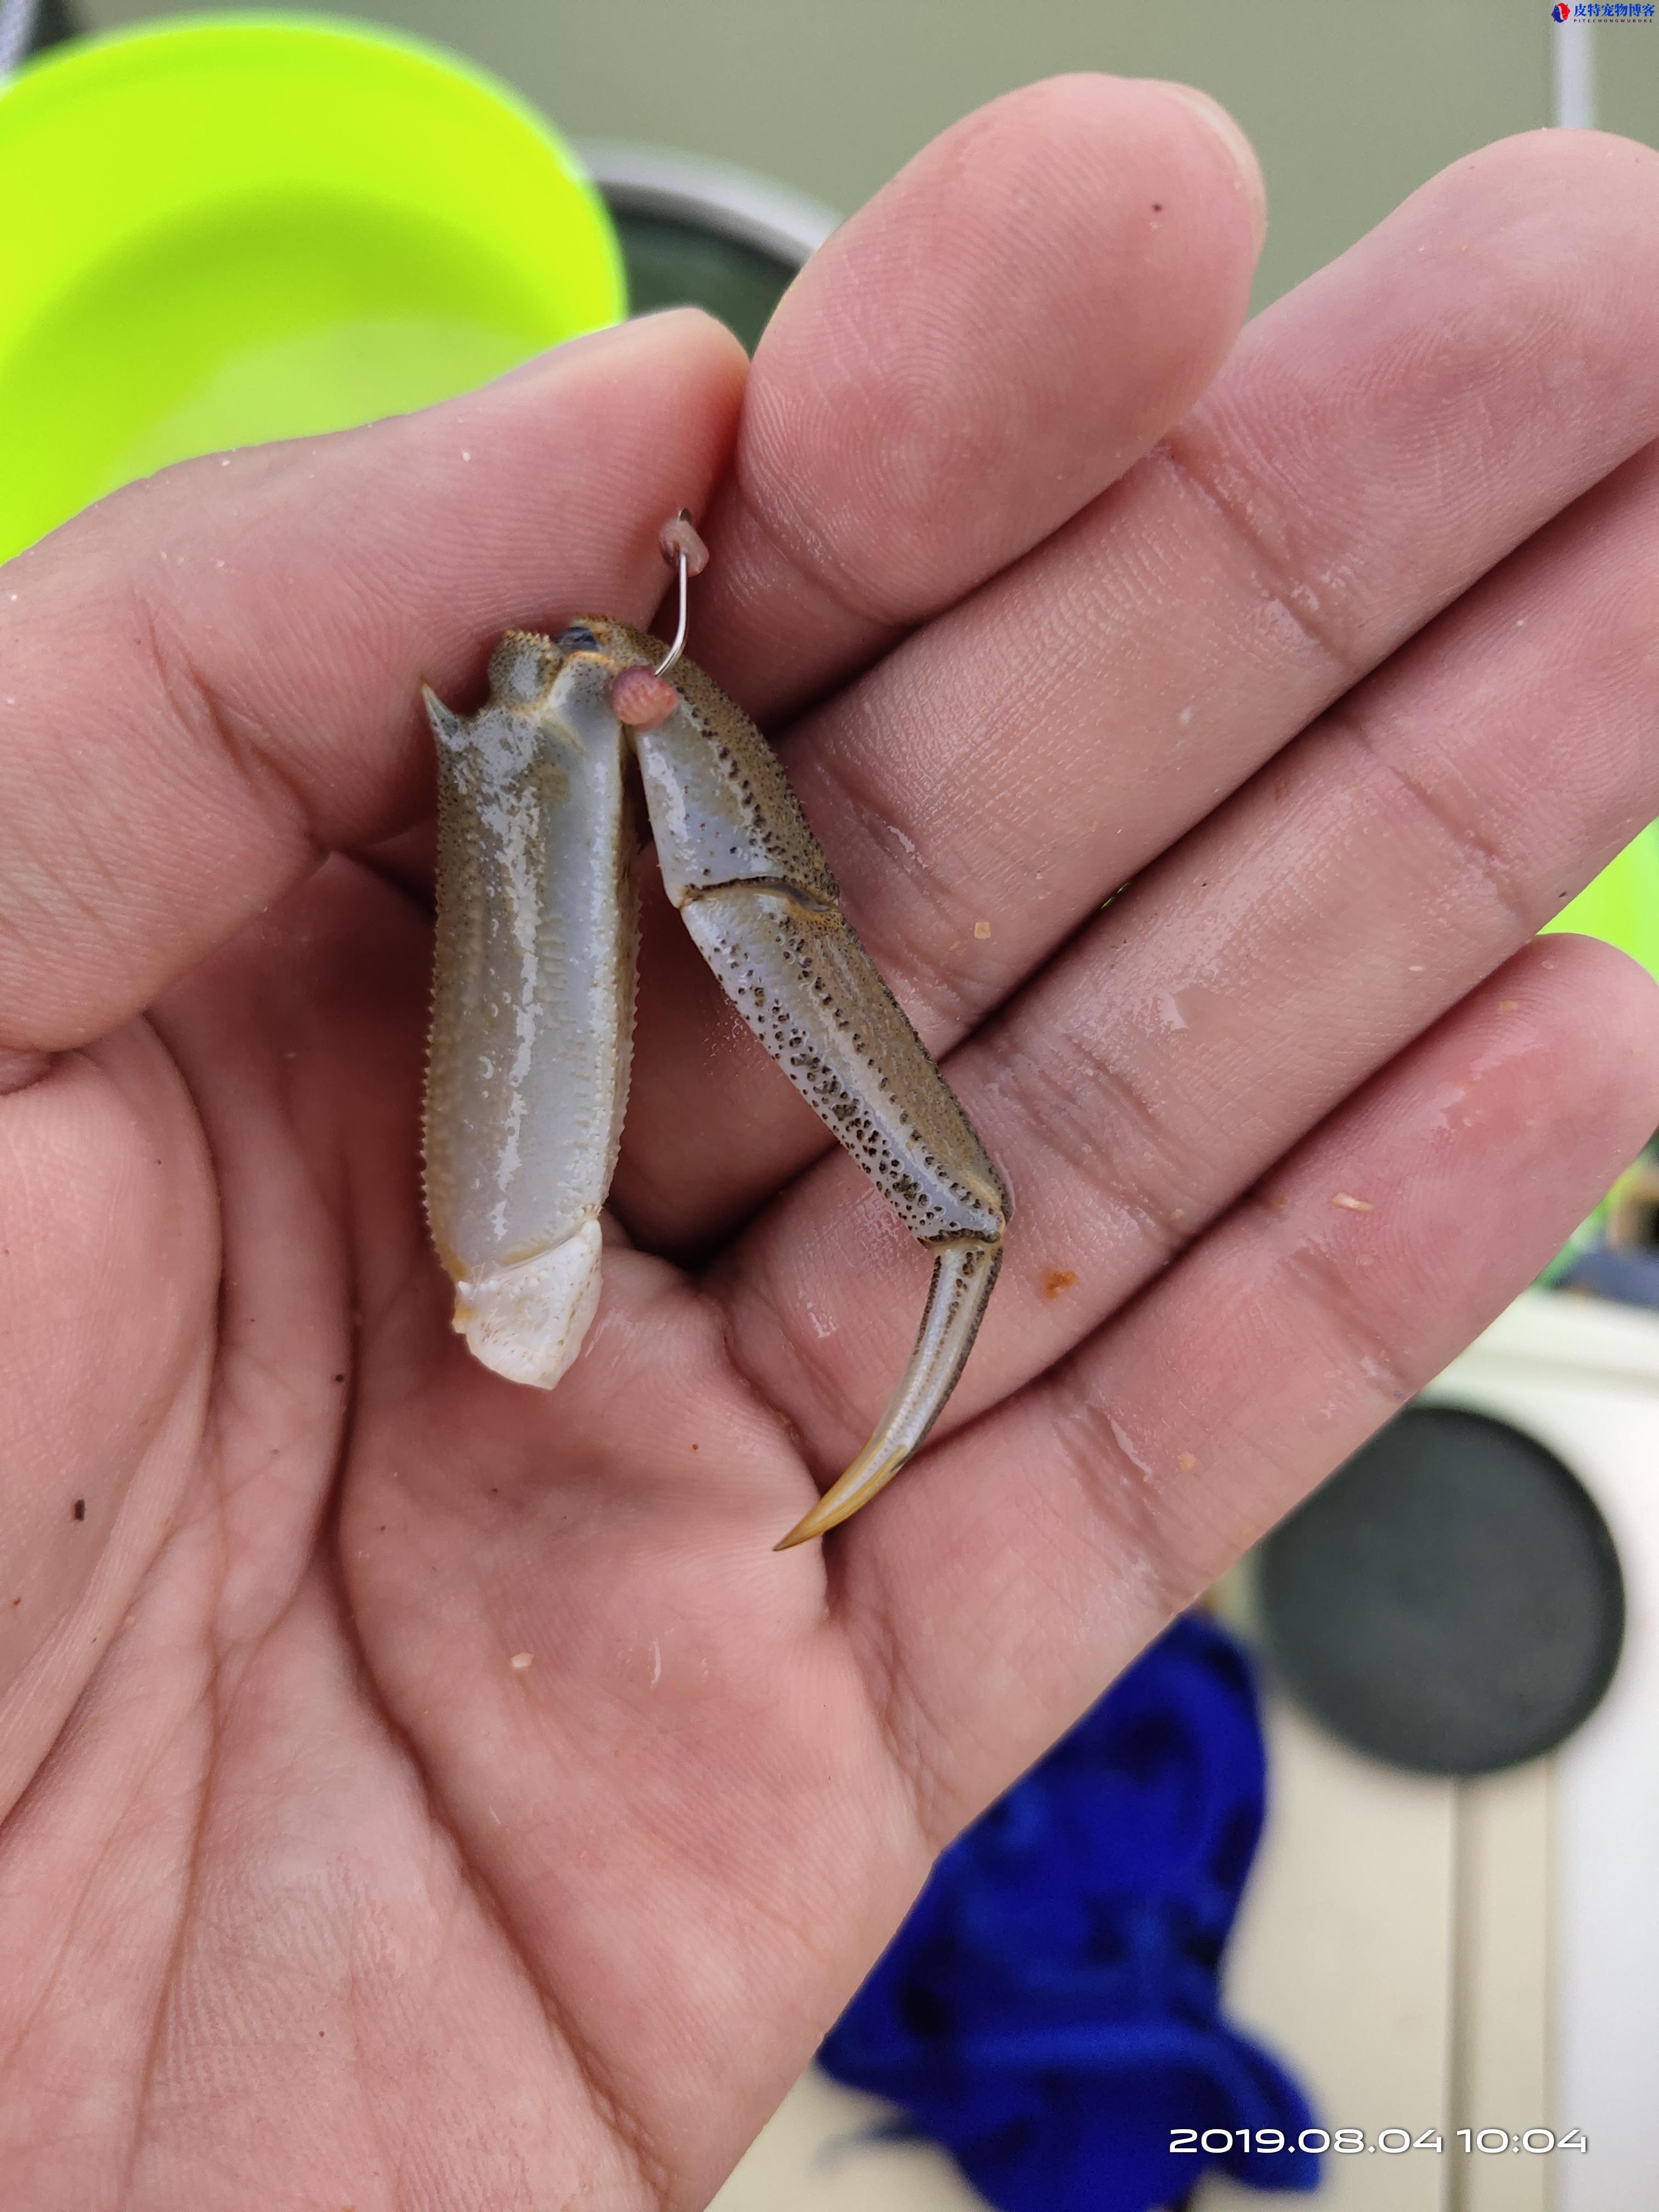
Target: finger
(942, 387)
(1020, 1566)
(1398, 853)
(993, 340)
(1380, 439)
(945, 384)
(214, 676)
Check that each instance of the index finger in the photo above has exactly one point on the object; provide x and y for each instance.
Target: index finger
(213, 677)
(1010, 323)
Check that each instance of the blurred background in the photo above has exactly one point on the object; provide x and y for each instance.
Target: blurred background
(1350, 107)
(1452, 1922)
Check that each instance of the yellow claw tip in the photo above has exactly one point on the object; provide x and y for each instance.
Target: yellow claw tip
(826, 1516)
(867, 1474)
(817, 1522)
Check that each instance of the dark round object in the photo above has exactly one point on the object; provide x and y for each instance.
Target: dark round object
(699, 232)
(682, 265)
(1450, 1601)
(53, 24)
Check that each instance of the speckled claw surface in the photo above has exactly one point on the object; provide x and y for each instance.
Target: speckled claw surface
(533, 1003)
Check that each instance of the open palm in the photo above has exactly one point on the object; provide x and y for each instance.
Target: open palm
(424, 1792)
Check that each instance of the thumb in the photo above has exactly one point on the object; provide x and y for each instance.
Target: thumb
(212, 677)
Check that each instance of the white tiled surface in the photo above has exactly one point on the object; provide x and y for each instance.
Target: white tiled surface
(817, 2156)
(1583, 1377)
(1423, 1954)
(1340, 1960)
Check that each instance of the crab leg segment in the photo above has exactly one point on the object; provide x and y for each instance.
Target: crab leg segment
(534, 999)
(755, 891)
(532, 1005)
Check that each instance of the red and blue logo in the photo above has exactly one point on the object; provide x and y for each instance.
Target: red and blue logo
(1562, 10)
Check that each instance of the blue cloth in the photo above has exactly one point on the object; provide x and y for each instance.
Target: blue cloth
(1629, 1275)
(1050, 2011)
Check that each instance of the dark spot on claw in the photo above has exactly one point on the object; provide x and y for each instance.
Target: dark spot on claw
(80, 1509)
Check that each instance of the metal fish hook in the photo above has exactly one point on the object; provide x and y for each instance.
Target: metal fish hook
(681, 547)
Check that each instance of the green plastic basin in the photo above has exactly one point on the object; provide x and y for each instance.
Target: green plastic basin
(231, 228)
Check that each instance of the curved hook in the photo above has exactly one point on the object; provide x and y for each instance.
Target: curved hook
(682, 549)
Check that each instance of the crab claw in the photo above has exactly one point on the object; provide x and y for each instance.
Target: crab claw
(963, 1276)
(534, 996)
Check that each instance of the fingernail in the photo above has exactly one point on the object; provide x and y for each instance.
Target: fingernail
(1240, 151)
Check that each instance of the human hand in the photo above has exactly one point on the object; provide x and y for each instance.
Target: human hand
(310, 1895)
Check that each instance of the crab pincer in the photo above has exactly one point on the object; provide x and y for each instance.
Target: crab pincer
(533, 1000)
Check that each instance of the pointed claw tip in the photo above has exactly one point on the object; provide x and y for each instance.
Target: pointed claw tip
(803, 1533)
(447, 726)
(838, 1503)
(869, 1473)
